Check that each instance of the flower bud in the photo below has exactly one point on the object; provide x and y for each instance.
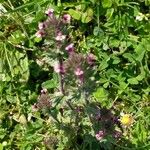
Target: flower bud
(49, 12)
(42, 25)
(40, 33)
(70, 48)
(91, 59)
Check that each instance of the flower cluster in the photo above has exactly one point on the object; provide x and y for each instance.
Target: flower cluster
(108, 123)
(53, 22)
(76, 64)
(100, 135)
(43, 101)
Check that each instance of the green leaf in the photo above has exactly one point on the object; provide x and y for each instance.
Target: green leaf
(106, 85)
(123, 85)
(22, 119)
(103, 65)
(109, 13)
(133, 81)
(147, 2)
(106, 3)
(100, 94)
(87, 16)
(129, 56)
(49, 84)
(1, 146)
(116, 60)
(98, 31)
(75, 14)
(140, 77)
(3, 132)
(15, 65)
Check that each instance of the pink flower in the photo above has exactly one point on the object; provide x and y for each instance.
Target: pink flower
(42, 25)
(70, 48)
(59, 68)
(78, 72)
(100, 135)
(91, 59)
(60, 37)
(49, 12)
(40, 33)
(66, 18)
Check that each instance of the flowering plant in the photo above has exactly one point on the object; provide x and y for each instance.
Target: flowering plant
(76, 79)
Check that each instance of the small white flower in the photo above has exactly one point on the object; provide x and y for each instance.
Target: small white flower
(140, 17)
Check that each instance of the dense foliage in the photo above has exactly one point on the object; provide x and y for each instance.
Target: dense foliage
(74, 75)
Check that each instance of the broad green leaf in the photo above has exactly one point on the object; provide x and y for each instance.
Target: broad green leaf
(140, 77)
(106, 3)
(87, 16)
(49, 84)
(98, 31)
(114, 42)
(106, 85)
(133, 81)
(100, 94)
(129, 56)
(109, 13)
(103, 65)
(140, 52)
(123, 85)
(116, 60)
(146, 42)
(75, 14)
(105, 47)
(103, 80)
